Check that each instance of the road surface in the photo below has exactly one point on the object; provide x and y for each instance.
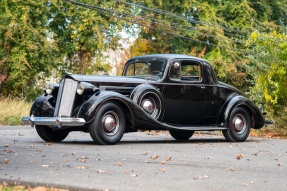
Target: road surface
(143, 161)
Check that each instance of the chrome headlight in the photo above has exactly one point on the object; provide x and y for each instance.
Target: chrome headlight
(49, 88)
(80, 89)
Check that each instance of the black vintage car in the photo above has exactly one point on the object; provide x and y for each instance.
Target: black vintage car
(171, 92)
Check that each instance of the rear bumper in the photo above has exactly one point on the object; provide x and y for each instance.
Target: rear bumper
(55, 121)
(268, 122)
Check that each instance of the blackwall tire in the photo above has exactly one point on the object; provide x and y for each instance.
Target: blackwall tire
(108, 126)
(147, 93)
(50, 135)
(181, 135)
(239, 126)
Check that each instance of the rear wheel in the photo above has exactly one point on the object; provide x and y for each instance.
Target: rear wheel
(50, 135)
(181, 135)
(239, 126)
(108, 126)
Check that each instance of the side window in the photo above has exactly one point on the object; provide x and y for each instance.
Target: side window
(141, 69)
(190, 71)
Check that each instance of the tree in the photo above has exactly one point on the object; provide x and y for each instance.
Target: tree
(267, 69)
(25, 48)
(82, 34)
(234, 20)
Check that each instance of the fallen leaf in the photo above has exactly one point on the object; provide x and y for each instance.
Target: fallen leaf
(201, 177)
(124, 159)
(238, 156)
(184, 155)
(145, 161)
(126, 172)
(232, 169)
(6, 161)
(186, 162)
(134, 175)
(65, 160)
(244, 184)
(100, 171)
(57, 168)
(133, 154)
(6, 145)
(163, 162)
(117, 163)
(168, 159)
(206, 158)
(154, 157)
(83, 167)
(162, 170)
(280, 164)
(73, 153)
(81, 160)
(201, 143)
(49, 143)
(145, 154)
(98, 159)
(82, 157)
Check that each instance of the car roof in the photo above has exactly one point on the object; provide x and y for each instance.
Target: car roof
(167, 57)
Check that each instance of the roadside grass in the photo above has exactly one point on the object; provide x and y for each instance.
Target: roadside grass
(12, 110)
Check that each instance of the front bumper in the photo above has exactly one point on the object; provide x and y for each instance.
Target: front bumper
(54, 121)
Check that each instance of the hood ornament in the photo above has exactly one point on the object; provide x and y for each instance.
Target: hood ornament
(147, 78)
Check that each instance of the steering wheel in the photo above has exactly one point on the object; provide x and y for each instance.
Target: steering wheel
(156, 72)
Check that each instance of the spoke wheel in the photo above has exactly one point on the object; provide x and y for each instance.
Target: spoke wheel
(50, 135)
(239, 126)
(181, 135)
(108, 126)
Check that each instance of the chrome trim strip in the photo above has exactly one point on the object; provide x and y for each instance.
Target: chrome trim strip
(57, 121)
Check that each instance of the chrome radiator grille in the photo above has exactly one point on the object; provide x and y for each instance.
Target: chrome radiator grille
(66, 97)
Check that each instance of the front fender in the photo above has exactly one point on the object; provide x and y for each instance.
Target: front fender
(89, 108)
(42, 106)
(236, 100)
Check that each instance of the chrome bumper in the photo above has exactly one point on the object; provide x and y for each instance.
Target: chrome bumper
(56, 121)
(268, 122)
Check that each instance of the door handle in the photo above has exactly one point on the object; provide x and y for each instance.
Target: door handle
(202, 87)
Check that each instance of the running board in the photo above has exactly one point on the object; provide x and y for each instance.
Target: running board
(192, 128)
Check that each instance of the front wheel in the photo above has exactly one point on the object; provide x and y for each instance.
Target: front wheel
(50, 135)
(239, 126)
(108, 126)
(181, 135)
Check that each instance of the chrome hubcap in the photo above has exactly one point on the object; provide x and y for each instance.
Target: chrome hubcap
(239, 124)
(110, 123)
(148, 105)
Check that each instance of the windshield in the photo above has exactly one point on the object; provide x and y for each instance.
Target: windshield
(143, 68)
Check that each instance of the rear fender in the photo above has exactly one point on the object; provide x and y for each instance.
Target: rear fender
(236, 100)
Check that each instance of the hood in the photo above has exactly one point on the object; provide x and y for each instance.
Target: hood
(105, 79)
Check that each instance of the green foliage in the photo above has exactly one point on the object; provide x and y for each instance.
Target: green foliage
(25, 51)
(38, 37)
(234, 14)
(267, 69)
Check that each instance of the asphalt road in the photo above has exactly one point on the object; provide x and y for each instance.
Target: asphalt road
(205, 162)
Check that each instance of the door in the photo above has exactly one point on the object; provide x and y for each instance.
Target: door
(183, 93)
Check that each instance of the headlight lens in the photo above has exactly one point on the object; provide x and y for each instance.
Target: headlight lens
(80, 89)
(49, 89)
